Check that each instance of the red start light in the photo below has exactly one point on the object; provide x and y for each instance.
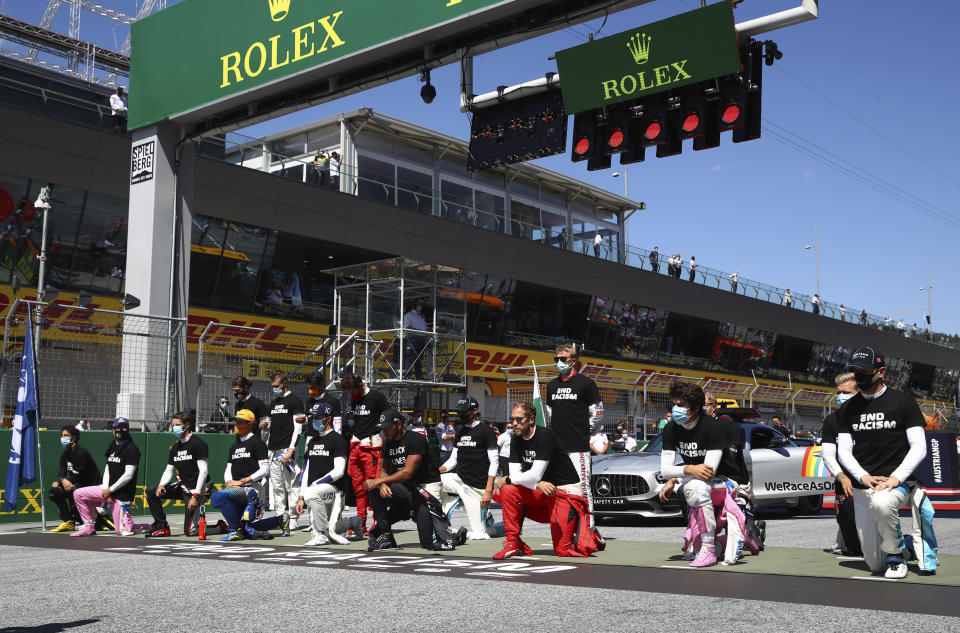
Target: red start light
(652, 130)
(691, 122)
(582, 146)
(731, 113)
(616, 138)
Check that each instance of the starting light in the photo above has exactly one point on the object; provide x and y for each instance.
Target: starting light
(731, 112)
(581, 146)
(691, 121)
(652, 130)
(616, 138)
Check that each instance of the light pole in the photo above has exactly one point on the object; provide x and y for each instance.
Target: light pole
(928, 288)
(626, 182)
(816, 251)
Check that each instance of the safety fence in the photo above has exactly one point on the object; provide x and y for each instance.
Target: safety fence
(154, 452)
(95, 364)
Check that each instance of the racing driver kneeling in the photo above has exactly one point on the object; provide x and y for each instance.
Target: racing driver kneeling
(542, 486)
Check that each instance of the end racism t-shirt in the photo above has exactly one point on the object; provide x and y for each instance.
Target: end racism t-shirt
(245, 457)
(544, 446)
(879, 430)
(395, 455)
(282, 412)
(472, 444)
(119, 456)
(693, 445)
(184, 456)
(570, 401)
(366, 413)
(321, 451)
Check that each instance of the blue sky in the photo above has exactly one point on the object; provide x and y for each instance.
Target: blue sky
(857, 141)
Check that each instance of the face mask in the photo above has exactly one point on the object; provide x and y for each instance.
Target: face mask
(277, 391)
(679, 414)
(238, 395)
(865, 382)
(223, 406)
(119, 436)
(563, 368)
(317, 425)
(64, 441)
(843, 397)
(419, 308)
(177, 431)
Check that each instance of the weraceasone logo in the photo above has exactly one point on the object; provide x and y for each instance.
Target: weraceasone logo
(790, 486)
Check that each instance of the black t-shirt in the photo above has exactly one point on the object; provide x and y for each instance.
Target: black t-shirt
(333, 401)
(693, 445)
(245, 457)
(732, 464)
(570, 402)
(184, 456)
(257, 406)
(395, 457)
(78, 467)
(472, 462)
(544, 446)
(119, 456)
(366, 413)
(320, 453)
(282, 413)
(829, 432)
(879, 430)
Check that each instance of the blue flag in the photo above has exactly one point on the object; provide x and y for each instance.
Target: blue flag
(22, 468)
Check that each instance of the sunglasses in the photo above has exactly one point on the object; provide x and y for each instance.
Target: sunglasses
(517, 419)
(564, 359)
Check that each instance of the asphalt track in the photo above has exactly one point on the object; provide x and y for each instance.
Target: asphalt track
(109, 583)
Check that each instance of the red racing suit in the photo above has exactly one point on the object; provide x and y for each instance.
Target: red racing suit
(567, 514)
(364, 464)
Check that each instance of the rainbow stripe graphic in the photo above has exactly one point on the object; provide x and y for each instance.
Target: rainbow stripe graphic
(813, 465)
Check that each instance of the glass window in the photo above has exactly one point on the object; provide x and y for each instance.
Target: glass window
(376, 180)
(554, 228)
(456, 202)
(490, 211)
(525, 221)
(101, 245)
(414, 190)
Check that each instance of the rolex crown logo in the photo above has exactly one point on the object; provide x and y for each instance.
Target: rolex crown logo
(278, 9)
(639, 46)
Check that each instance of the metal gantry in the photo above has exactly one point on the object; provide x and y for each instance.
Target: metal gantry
(40, 38)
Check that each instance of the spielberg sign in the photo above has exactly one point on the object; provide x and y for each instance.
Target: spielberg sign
(142, 162)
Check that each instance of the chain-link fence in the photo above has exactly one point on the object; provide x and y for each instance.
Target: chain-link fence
(656, 400)
(226, 352)
(808, 408)
(96, 365)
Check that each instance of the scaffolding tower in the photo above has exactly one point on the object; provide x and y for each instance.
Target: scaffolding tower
(416, 356)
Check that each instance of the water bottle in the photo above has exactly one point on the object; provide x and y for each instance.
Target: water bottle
(202, 526)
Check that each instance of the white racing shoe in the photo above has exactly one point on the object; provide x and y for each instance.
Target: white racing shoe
(317, 540)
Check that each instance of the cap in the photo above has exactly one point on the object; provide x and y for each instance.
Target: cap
(321, 408)
(865, 358)
(246, 415)
(120, 422)
(388, 417)
(467, 403)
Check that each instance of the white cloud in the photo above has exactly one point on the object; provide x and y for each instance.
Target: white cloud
(717, 167)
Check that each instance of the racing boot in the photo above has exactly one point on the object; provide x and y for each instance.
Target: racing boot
(66, 526)
(381, 542)
(599, 540)
(85, 530)
(513, 547)
(706, 557)
(158, 529)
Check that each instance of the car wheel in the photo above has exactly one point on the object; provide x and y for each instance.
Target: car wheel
(810, 505)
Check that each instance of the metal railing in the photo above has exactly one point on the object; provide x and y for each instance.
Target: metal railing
(633, 256)
(82, 111)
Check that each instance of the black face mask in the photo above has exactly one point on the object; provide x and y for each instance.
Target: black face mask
(239, 394)
(865, 382)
